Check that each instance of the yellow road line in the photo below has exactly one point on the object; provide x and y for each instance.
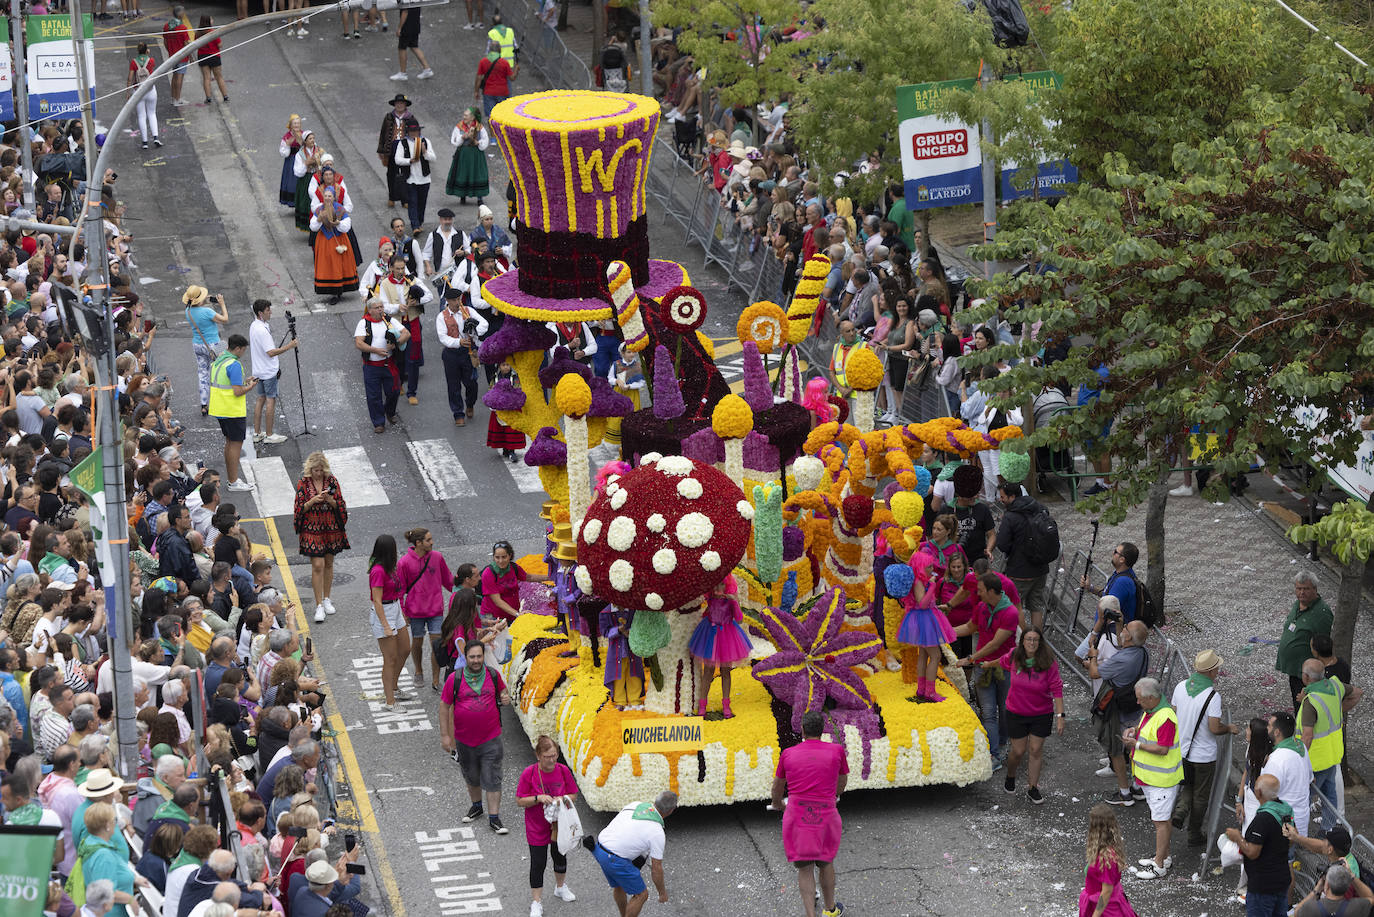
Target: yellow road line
(367, 817)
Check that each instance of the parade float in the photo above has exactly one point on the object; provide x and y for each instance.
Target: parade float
(709, 484)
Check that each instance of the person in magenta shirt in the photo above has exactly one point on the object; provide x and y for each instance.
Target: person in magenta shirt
(1035, 702)
(994, 621)
(545, 785)
(812, 774)
(501, 581)
(470, 729)
(424, 577)
(388, 626)
(957, 592)
(1102, 894)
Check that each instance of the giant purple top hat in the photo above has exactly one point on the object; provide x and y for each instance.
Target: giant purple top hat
(580, 164)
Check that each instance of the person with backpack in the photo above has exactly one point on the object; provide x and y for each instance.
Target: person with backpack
(1199, 717)
(1029, 538)
(1115, 703)
(1124, 585)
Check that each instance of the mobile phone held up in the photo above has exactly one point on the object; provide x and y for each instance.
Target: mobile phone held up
(355, 869)
(350, 841)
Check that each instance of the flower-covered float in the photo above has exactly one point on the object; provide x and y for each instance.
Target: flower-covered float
(710, 486)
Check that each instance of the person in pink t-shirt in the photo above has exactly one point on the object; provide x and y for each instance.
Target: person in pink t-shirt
(812, 774)
(424, 577)
(388, 625)
(1035, 702)
(470, 730)
(543, 787)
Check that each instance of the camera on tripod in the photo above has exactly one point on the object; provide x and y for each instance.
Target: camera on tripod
(291, 322)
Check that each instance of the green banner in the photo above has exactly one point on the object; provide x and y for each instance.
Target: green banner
(25, 862)
(89, 474)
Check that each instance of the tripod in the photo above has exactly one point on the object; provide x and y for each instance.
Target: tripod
(300, 386)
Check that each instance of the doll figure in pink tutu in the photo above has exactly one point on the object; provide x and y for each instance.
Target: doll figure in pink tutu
(719, 642)
(924, 625)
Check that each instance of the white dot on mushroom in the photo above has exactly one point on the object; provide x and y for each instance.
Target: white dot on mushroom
(619, 497)
(620, 535)
(665, 561)
(690, 488)
(591, 530)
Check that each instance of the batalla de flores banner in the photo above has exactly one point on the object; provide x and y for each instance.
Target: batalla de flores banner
(942, 158)
(51, 66)
(25, 862)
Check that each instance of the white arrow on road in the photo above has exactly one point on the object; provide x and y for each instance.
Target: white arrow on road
(396, 789)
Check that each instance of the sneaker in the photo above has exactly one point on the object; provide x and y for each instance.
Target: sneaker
(257, 437)
(1035, 796)
(536, 909)
(177, 103)
(145, 144)
(319, 614)
(290, 33)
(563, 893)
(1137, 794)
(495, 822)
(347, 36)
(369, 28)
(838, 910)
(469, 26)
(1009, 785)
(157, 143)
(1149, 869)
(1183, 490)
(329, 606)
(401, 695)
(274, 439)
(1119, 799)
(1095, 489)
(997, 764)
(1105, 771)
(474, 813)
(425, 74)
(302, 32)
(240, 485)
(357, 35)
(1103, 761)
(385, 26)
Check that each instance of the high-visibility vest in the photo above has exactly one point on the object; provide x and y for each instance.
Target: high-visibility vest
(1155, 769)
(1328, 734)
(223, 401)
(839, 359)
(504, 36)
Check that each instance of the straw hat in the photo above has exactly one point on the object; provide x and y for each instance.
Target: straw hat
(1207, 660)
(100, 782)
(195, 295)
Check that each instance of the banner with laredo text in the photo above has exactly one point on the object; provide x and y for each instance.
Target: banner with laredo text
(6, 75)
(51, 66)
(941, 161)
(663, 733)
(25, 862)
(1054, 175)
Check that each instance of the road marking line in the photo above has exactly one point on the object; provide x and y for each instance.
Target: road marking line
(357, 478)
(443, 475)
(273, 491)
(332, 404)
(357, 785)
(526, 478)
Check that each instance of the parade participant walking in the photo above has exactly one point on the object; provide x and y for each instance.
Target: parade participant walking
(444, 248)
(1308, 616)
(498, 243)
(634, 835)
(1199, 716)
(264, 354)
(1321, 718)
(393, 130)
(392, 289)
(811, 776)
(470, 730)
(501, 581)
(414, 154)
(388, 624)
(177, 34)
(211, 65)
(424, 577)
(408, 39)
(305, 167)
(1157, 765)
(545, 788)
(290, 146)
(459, 328)
(205, 339)
(994, 621)
(378, 337)
(1265, 850)
(229, 405)
(467, 174)
(1102, 894)
(320, 517)
(1035, 701)
(336, 268)
(141, 67)
(500, 436)
(494, 74)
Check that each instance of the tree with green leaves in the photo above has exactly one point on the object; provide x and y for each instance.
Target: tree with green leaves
(1225, 302)
(1348, 533)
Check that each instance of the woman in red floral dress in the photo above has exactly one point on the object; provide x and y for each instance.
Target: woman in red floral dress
(321, 517)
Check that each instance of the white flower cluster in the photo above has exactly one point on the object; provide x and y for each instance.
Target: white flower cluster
(694, 530)
(621, 532)
(622, 575)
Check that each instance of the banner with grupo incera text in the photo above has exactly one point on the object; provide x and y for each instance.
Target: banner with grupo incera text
(941, 161)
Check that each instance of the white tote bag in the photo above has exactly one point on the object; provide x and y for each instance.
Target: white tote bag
(569, 826)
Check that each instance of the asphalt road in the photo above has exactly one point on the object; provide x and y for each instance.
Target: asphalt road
(204, 210)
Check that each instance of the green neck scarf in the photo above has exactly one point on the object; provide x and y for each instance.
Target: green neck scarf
(1325, 686)
(645, 811)
(1197, 683)
(28, 814)
(475, 682)
(184, 859)
(1292, 744)
(1281, 810)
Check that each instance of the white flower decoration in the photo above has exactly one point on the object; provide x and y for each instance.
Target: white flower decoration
(621, 533)
(689, 488)
(622, 575)
(583, 579)
(591, 531)
(619, 497)
(694, 530)
(746, 510)
(612, 487)
(656, 523)
(676, 465)
(650, 458)
(653, 601)
(808, 471)
(665, 561)
(709, 561)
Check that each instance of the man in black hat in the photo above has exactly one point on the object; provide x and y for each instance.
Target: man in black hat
(394, 129)
(460, 327)
(443, 249)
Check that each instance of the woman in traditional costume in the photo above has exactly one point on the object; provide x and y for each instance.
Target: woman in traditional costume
(336, 272)
(290, 146)
(467, 175)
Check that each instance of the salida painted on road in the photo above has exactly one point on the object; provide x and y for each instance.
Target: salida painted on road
(446, 851)
(408, 716)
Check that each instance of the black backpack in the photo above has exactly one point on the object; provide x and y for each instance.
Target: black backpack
(1147, 611)
(1041, 536)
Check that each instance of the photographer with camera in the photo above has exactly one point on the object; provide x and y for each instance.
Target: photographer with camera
(266, 369)
(459, 329)
(379, 338)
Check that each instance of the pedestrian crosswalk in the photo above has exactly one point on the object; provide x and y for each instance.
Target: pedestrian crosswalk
(434, 460)
(730, 361)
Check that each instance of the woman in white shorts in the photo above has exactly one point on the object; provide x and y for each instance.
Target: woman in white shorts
(388, 624)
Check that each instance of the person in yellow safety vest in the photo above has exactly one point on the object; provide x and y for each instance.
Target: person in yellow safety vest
(847, 345)
(1322, 707)
(229, 405)
(502, 35)
(1157, 765)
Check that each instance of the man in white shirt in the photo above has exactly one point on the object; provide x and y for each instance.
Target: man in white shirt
(203, 502)
(414, 154)
(459, 329)
(635, 834)
(264, 355)
(1198, 706)
(1288, 762)
(444, 247)
(377, 337)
